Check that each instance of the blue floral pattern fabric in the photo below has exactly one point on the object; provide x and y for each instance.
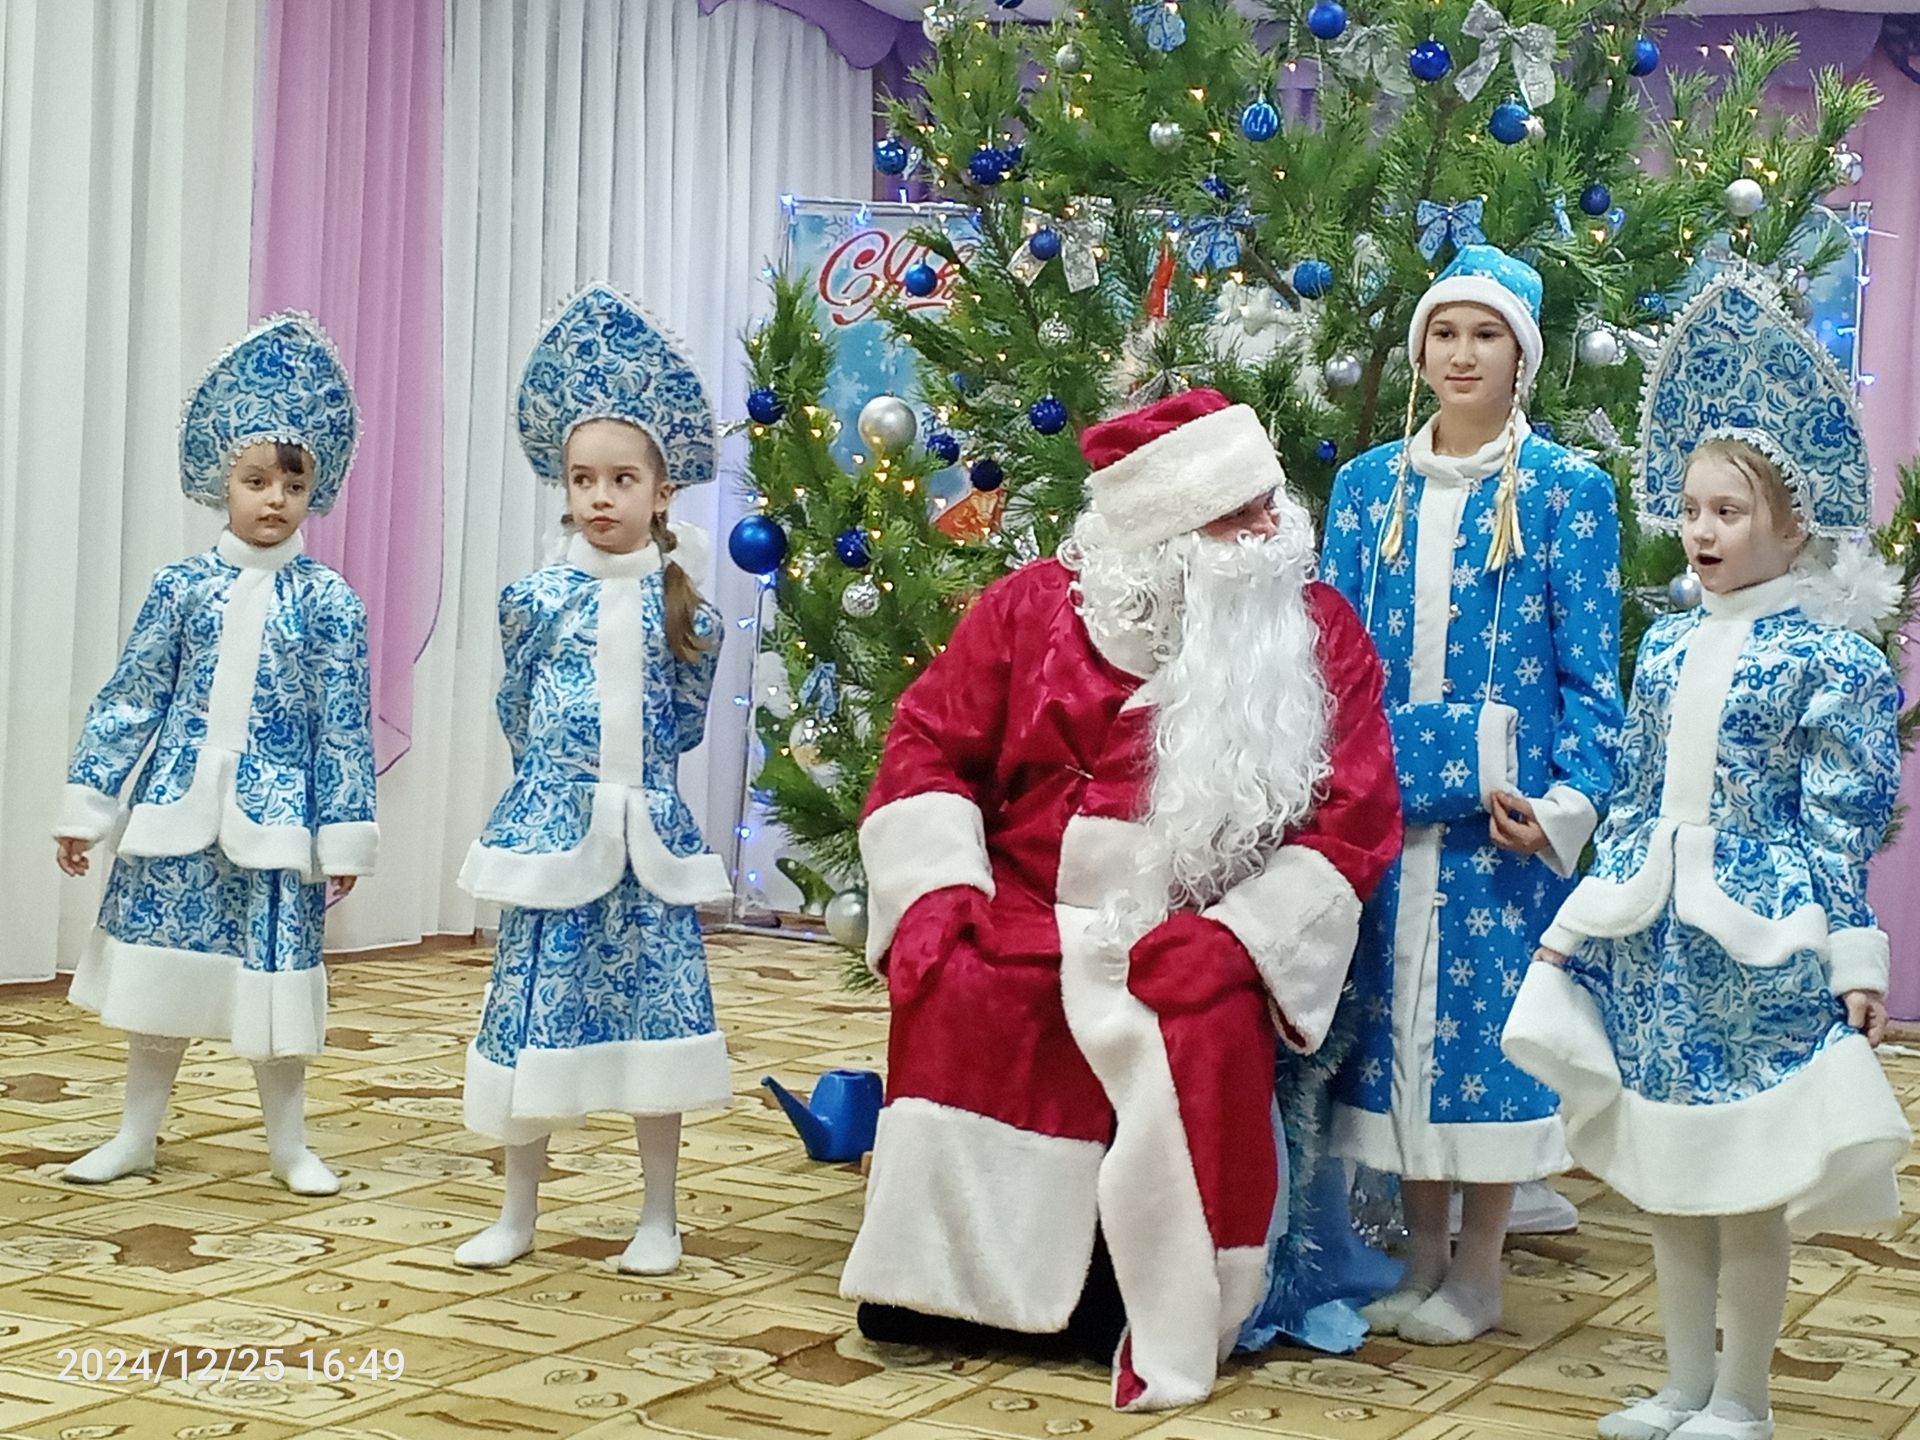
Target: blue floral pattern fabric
(1546, 642)
(270, 920)
(1805, 784)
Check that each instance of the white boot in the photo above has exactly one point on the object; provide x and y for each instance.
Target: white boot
(655, 1247)
(511, 1236)
(152, 1062)
(283, 1104)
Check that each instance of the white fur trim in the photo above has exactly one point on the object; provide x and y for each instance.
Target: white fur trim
(1300, 920)
(582, 554)
(1481, 290)
(156, 990)
(620, 683)
(1186, 478)
(1858, 958)
(1569, 819)
(1699, 700)
(347, 847)
(210, 813)
(969, 1217)
(545, 1090)
(1823, 1143)
(247, 556)
(1441, 507)
(911, 847)
(86, 814)
(1150, 1208)
(619, 832)
(1492, 1152)
(1497, 737)
(236, 669)
(1100, 856)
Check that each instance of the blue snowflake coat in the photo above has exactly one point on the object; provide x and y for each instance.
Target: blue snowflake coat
(600, 998)
(247, 671)
(1494, 680)
(1698, 1014)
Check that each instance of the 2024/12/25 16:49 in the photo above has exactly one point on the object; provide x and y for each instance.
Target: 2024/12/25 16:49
(206, 1365)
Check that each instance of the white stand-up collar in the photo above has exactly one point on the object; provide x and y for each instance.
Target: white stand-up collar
(583, 554)
(1750, 602)
(236, 551)
(1460, 469)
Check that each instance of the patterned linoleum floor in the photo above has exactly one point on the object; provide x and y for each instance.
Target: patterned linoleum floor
(208, 1261)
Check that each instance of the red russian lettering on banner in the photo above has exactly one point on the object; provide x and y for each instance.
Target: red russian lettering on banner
(869, 264)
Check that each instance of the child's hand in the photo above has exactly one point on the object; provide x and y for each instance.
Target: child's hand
(1867, 1013)
(1549, 957)
(1512, 824)
(342, 885)
(73, 854)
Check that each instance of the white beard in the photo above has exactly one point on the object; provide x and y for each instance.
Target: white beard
(1240, 715)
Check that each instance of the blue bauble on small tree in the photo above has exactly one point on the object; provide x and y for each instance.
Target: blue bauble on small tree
(1047, 415)
(987, 474)
(920, 279)
(987, 166)
(1429, 61)
(764, 407)
(1596, 199)
(757, 544)
(1044, 243)
(890, 155)
(1645, 58)
(1327, 20)
(1327, 450)
(943, 447)
(1260, 121)
(1312, 278)
(1508, 123)
(850, 545)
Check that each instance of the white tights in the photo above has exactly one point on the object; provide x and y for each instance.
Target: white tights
(1742, 1262)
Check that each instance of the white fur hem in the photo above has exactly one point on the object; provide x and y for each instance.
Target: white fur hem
(1300, 920)
(967, 1216)
(1490, 1152)
(1498, 746)
(86, 814)
(545, 1090)
(210, 812)
(619, 832)
(910, 848)
(1569, 819)
(1182, 480)
(1858, 958)
(1823, 1143)
(347, 847)
(192, 995)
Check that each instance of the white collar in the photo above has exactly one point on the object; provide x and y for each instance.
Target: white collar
(1461, 469)
(1750, 602)
(583, 554)
(236, 551)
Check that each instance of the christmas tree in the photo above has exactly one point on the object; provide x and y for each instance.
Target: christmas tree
(1147, 219)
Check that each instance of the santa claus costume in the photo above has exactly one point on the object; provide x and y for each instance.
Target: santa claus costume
(1118, 842)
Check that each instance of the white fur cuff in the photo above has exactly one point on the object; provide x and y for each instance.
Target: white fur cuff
(1498, 736)
(1300, 920)
(85, 814)
(1569, 819)
(347, 847)
(1858, 958)
(912, 847)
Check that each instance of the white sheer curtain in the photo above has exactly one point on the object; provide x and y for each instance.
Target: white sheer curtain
(126, 155)
(635, 141)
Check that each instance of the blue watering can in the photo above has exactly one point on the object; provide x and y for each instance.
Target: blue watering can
(839, 1122)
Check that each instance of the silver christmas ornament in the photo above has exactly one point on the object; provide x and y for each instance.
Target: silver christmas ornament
(936, 24)
(1851, 167)
(1055, 331)
(1070, 57)
(1166, 136)
(1684, 590)
(1744, 197)
(1536, 128)
(1341, 371)
(1599, 347)
(887, 424)
(861, 599)
(803, 742)
(846, 917)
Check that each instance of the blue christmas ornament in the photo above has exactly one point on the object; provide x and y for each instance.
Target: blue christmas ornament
(943, 447)
(1508, 123)
(1009, 4)
(1544, 429)
(1327, 20)
(1596, 199)
(1047, 415)
(1429, 61)
(851, 546)
(1260, 121)
(1327, 451)
(1312, 278)
(920, 279)
(764, 407)
(986, 166)
(962, 381)
(1646, 57)
(890, 155)
(986, 474)
(1044, 243)
(1217, 188)
(757, 544)
(1654, 303)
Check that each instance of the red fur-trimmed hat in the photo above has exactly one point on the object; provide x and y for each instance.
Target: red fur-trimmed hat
(1170, 467)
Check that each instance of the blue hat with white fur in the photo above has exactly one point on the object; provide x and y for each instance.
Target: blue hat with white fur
(1486, 275)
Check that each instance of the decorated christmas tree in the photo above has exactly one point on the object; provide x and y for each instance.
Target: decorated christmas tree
(1147, 218)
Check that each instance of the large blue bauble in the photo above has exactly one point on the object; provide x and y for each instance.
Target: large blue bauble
(1260, 121)
(920, 279)
(1047, 415)
(1312, 278)
(757, 544)
(1327, 20)
(764, 407)
(1508, 123)
(1044, 243)
(851, 546)
(890, 155)
(988, 166)
(987, 474)
(1645, 59)
(1596, 199)
(1429, 61)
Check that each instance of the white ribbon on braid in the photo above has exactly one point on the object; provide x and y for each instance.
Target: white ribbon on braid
(1240, 710)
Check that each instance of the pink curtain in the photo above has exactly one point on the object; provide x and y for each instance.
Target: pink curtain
(347, 226)
(1890, 352)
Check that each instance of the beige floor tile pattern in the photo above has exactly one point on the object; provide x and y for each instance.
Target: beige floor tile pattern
(208, 1263)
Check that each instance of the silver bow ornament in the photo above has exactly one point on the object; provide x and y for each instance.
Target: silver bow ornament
(1082, 231)
(1374, 51)
(1531, 47)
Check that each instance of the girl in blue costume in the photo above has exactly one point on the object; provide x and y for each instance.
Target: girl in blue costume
(247, 671)
(600, 999)
(1485, 562)
(1700, 1000)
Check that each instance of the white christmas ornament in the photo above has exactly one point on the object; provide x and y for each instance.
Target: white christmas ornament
(861, 599)
(1851, 167)
(1744, 197)
(887, 424)
(1599, 347)
(1166, 135)
(1070, 57)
